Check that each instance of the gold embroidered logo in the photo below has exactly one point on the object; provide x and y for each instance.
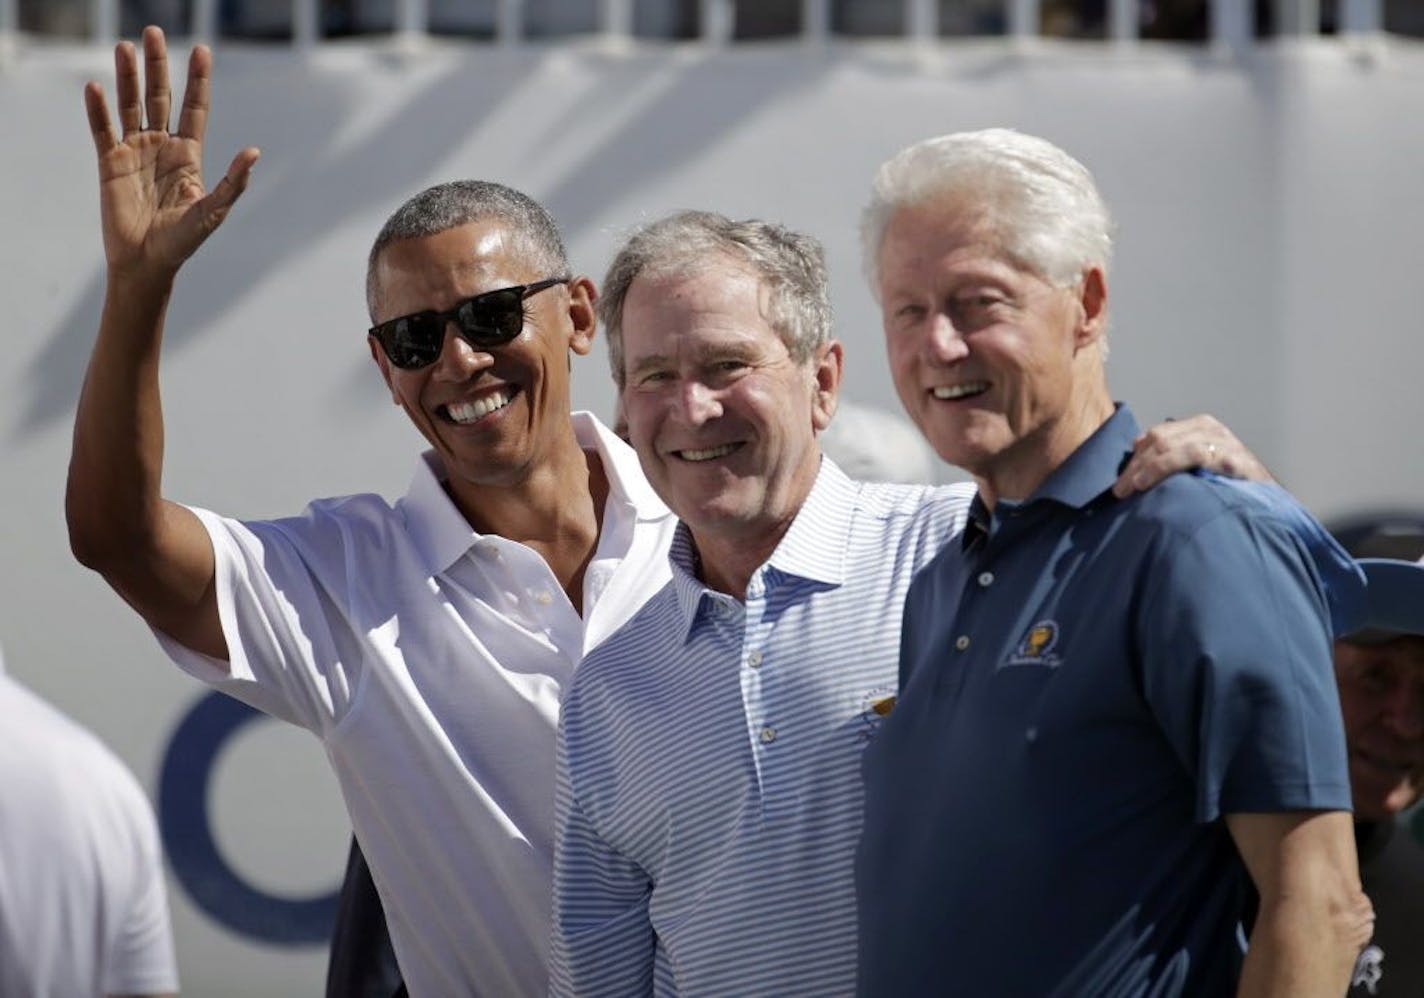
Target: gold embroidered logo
(1037, 646)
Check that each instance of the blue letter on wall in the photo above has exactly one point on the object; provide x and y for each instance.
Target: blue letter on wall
(183, 815)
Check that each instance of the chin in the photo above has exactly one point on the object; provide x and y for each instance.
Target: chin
(958, 452)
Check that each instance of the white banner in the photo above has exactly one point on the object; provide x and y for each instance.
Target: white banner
(1268, 270)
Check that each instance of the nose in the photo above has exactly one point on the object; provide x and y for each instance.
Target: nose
(698, 403)
(458, 360)
(945, 344)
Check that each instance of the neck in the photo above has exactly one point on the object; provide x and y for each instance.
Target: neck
(727, 562)
(556, 509)
(1018, 473)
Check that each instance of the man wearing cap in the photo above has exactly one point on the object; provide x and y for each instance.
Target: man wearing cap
(1380, 671)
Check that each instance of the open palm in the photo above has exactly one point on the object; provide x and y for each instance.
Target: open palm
(155, 209)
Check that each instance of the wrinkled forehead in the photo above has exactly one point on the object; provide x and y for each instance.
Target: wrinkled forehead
(697, 314)
(714, 284)
(927, 245)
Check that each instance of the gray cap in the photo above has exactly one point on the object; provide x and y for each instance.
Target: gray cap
(1394, 600)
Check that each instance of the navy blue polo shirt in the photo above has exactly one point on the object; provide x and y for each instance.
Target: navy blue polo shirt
(1087, 685)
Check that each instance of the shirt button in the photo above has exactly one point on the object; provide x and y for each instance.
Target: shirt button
(723, 608)
(543, 597)
(754, 659)
(962, 642)
(768, 734)
(986, 578)
(1031, 735)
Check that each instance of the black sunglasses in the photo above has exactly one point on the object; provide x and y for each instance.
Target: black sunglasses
(488, 320)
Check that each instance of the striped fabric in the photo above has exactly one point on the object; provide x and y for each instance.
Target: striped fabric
(709, 796)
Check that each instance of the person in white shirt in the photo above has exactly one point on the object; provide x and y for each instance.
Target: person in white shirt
(83, 908)
(426, 641)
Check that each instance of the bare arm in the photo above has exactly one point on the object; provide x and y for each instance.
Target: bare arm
(155, 213)
(1314, 918)
(1181, 444)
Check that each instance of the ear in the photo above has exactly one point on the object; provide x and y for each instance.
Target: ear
(582, 296)
(384, 363)
(829, 365)
(1093, 300)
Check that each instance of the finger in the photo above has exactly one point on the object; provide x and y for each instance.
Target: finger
(126, 85)
(100, 125)
(214, 208)
(157, 97)
(1206, 455)
(1163, 450)
(193, 119)
(1135, 478)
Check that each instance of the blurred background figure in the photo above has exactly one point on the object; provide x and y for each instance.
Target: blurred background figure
(1380, 669)
(83, 909)
(876, 445)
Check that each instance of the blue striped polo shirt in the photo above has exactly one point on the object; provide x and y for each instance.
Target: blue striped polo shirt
(709, 794)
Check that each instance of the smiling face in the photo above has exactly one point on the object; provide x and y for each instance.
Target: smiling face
(723, 419)
(1382, 700)
(999, 368)
(492, 416)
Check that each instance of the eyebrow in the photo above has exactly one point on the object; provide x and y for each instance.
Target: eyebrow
(648, 362)
(738, 348)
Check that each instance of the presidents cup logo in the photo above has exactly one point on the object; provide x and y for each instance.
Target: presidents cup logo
(875, 706)
(1036, 647)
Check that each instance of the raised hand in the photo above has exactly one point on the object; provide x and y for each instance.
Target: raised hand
(154, 207)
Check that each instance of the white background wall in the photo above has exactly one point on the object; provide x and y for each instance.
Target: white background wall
(1270, 213)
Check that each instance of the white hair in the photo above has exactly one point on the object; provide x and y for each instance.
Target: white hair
(1044, 203)
(790, 264)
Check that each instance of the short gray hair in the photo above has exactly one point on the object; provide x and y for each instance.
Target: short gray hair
(791, 264)
(1052, 217)
(450, 205)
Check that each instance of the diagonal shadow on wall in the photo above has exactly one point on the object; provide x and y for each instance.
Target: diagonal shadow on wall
(660, 141)
(723, 86)
(315, 187)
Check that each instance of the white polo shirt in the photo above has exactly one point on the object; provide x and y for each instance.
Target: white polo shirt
(429, 660)
(83, 909)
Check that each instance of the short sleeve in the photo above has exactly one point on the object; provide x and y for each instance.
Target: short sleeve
(287, 657)
(1234, 634)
